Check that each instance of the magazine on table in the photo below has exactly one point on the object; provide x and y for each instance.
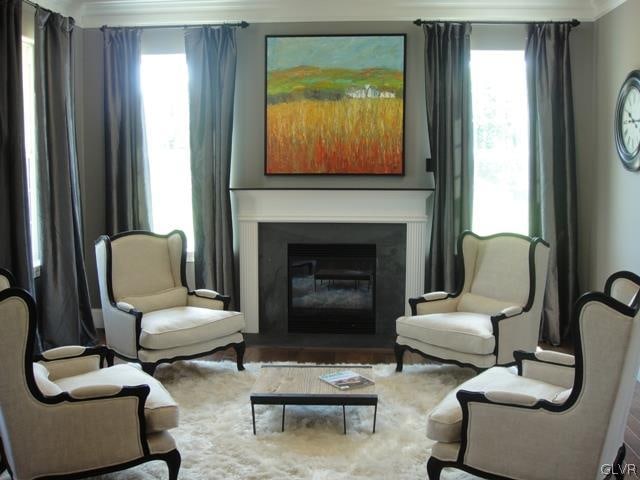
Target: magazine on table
(346, 380)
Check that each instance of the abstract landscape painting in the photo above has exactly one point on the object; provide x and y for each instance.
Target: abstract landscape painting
(335, 105)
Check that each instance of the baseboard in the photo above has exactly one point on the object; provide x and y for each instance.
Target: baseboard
(98, 321)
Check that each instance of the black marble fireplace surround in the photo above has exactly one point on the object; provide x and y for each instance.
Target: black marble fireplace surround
(274, 240)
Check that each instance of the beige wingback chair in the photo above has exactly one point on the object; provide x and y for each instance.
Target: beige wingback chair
(495, 311)
(557, 416)
(66, 417)
(150, 316)
(6, 281)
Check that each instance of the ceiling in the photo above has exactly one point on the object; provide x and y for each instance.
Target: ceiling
(95, 13)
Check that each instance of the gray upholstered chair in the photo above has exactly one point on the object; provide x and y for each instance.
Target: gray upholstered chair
(557, 416)
(149, 314)
(495, 311)
(64, 416)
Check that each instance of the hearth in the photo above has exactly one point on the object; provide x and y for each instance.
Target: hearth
(331, 288)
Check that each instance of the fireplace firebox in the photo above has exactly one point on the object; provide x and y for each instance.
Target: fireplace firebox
(331, 288)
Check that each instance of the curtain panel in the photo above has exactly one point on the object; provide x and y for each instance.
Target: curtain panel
(552, 180)
(449, 115)
(211, 58)
(63, 294)
(15, 234)
(128, 202)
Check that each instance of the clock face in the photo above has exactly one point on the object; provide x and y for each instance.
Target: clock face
(631, 121)
(627, 122)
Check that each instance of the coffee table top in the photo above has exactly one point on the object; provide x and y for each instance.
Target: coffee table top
(303, 381)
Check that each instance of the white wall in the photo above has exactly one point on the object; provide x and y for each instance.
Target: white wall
(612, 200)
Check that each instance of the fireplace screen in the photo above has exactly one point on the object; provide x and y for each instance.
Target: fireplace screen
(332, 288)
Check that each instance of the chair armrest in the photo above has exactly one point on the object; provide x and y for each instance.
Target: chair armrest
(511, 311)
(431, 296)
(495, 422)
(510, 398)
(126, 307)
(513, 330)
(546, 366)
(433, 302)
(208, 299)
(72, 351)
(73, 360)
(94, 391)
(93, 417)
(122, 323)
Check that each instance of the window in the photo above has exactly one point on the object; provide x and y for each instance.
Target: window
(501, 142)
(29, 94)
(165, 95)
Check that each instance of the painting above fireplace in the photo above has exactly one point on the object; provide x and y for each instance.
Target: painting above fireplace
(335, 105)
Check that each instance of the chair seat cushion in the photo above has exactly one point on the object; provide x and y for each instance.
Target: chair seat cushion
(445, 421)
(180, 326)
(160, 409)
(459, 331)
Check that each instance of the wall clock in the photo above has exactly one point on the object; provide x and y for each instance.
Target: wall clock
(627, 122)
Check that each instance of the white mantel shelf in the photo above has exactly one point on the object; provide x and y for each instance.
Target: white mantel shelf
(252, 207)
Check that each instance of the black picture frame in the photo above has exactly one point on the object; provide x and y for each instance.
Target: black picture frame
(401, 172)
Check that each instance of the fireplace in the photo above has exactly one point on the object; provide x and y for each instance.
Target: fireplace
(353, 274)
(331, 288)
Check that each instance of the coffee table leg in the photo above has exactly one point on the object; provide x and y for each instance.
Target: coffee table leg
(344, 419)
(375, 414)
(283, 406)
(253, 417)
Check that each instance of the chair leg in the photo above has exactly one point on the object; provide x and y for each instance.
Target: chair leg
(619, 462)
(149, 368)
(434, 469)
(399, 351)
(240, 348)
(173, 461)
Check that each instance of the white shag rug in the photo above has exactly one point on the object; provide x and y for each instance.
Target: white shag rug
(216, 441)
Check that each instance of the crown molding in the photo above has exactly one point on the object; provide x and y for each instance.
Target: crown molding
(95, 13)
(68, 8)
(602, 7)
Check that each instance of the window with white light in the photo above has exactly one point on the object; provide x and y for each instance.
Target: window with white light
(165, 83)
(501, 142)
(29, 100)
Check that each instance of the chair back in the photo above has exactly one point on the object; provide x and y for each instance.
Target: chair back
(143, 269)
(624, 286)
(6, 279)
(18, 415)
(503, 270)
(607, 360)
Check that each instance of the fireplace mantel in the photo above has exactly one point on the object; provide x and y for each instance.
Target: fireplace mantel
(252, 207)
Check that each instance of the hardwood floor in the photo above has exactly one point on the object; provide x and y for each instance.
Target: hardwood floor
(385, 355)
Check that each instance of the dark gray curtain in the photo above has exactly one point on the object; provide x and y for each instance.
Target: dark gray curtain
(552, 182)
(128, 195)
(15, 237)
(211, 57)
(63, 295)
(448, 94)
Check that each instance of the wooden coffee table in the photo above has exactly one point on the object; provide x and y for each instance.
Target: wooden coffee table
(301, 385)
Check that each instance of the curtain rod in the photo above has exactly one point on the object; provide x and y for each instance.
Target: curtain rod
(241, 24)
(573, 22)
(35, 5)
